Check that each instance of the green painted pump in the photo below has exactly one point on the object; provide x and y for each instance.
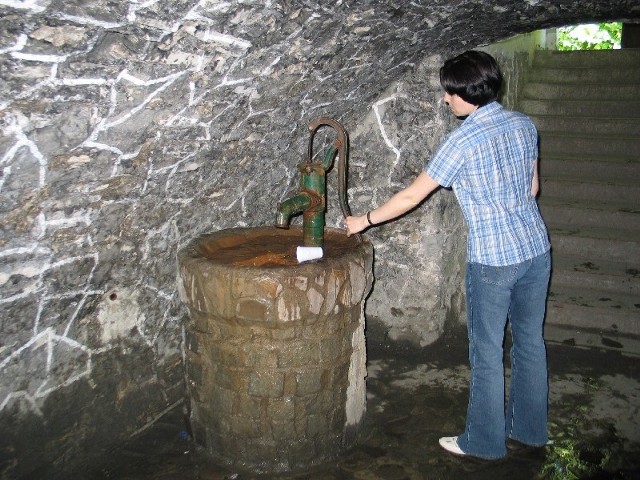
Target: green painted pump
(310, 200)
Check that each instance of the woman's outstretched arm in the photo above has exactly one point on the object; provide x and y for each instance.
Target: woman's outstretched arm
(400, 203)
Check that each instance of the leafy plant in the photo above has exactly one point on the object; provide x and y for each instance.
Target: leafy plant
(590, 36)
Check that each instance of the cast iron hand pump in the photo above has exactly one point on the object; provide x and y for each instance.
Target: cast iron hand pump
(310, 200)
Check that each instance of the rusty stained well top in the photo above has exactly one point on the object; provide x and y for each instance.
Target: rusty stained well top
(266, 246)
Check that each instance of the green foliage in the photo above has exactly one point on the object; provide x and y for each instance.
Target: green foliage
(591, 36)
(572, 455)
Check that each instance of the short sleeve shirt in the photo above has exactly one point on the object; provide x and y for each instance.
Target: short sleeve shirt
(489, 161)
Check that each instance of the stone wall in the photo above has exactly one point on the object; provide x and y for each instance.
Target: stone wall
(419, 258)
(128, 128)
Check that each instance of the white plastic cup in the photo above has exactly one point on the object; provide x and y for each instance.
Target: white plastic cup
(304, 254)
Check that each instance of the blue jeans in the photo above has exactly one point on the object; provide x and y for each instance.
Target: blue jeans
(494, 294)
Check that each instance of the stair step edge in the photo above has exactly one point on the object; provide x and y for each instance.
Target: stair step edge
(596, 205)
(596, 297)
(625, 343)
(626, 323)
(592, 247)
(570, 181)
(578, 135)
(608, 285)
(619, 236)
(587, 266)
(594, 157)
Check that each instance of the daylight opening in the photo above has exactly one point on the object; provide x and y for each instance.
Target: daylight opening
(590, 36)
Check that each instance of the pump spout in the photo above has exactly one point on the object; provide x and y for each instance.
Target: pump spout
(290, 207)
(310, 201)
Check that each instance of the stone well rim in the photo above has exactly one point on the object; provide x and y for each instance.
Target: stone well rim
(338, 249)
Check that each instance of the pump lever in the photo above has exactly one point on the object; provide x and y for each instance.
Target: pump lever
(342, 145)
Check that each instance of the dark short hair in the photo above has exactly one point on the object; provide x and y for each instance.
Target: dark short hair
(474, 76)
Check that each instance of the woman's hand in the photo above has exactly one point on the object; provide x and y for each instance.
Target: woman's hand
(356, 224)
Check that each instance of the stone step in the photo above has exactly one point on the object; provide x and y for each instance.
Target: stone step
(564, 143)
(622, 190)
(590, 167)
(595, 273)
(592, 59)
(590, 338)
(569, 213)
(601, 243)
(587, 125)
(586, 308)
(581, 91)
(599, 294)
(586, 106)
(589, 108)
(620, 74)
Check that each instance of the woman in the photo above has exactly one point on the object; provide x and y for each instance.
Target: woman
(490, 162)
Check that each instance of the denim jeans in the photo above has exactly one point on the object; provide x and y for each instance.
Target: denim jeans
(494, 294)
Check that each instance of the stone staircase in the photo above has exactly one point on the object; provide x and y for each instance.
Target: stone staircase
(586, 105)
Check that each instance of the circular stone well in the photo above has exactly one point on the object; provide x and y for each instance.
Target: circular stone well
(275, 350)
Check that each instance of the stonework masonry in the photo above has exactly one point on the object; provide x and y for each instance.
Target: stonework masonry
(128, 128)
(275, 356)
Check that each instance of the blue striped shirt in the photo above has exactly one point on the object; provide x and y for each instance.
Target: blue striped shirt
(489, 162)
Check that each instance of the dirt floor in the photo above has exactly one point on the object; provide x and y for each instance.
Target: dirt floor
(416, 396)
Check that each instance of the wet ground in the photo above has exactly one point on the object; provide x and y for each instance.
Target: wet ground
(416, 396)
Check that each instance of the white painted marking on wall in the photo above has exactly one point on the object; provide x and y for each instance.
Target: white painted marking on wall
(224, 39)
(376, 109)
(106, 123)
(14, 129)
(101, 146)
(26, 5)
(54, 378)
(134, 6)
(173, 168)
(32, 57)
(90, 21)
(166, 83)
(34, 248)
(63, 222)
(21, 42)
(6, 171)
(75, 82)
(24, 395)
(269, 69)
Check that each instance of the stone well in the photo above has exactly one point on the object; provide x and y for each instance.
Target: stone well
(276, 359)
